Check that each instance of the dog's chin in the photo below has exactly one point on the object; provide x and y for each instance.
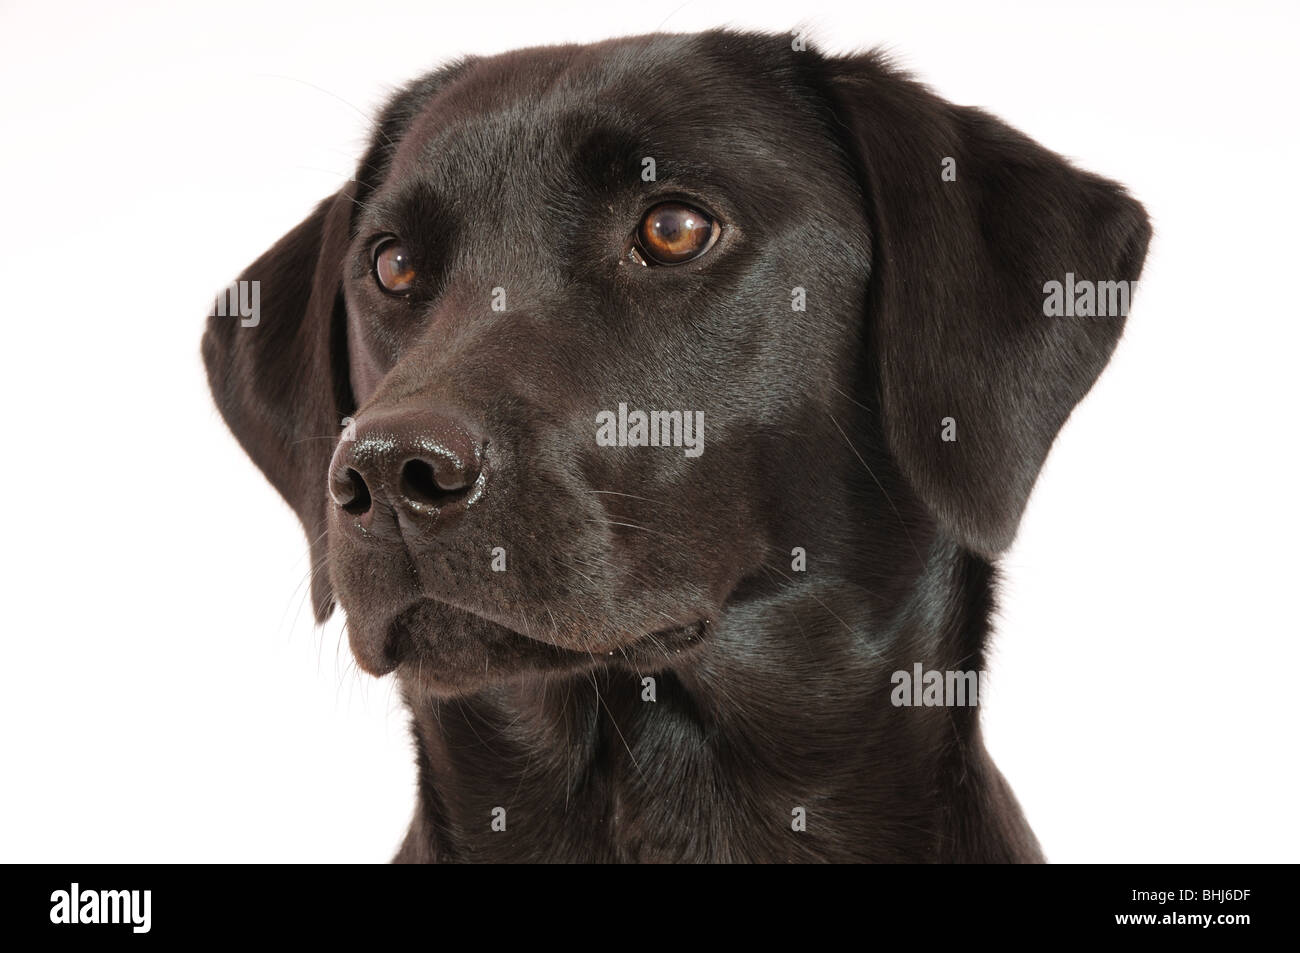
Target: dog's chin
(443, 650)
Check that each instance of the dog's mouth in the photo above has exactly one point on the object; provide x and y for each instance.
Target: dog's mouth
(435, 646)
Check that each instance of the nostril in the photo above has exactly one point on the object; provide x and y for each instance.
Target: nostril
(419, 483)
(404, 469)
(354, 495)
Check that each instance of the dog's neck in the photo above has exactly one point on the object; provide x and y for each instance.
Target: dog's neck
(780, 739)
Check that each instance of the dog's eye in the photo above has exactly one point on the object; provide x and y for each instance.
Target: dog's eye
(673, 233)
(393, 268)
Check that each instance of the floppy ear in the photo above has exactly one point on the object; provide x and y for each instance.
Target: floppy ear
(971, 221)
(280, 377)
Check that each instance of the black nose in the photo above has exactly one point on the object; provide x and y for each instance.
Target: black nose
(409, 460)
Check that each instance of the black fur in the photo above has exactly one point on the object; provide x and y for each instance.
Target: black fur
(924, 301)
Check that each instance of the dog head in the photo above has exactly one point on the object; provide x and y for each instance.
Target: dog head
(598, 335)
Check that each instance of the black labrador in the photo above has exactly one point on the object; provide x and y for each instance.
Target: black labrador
(656, 410)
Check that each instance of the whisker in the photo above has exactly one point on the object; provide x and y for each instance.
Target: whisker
(901, 521)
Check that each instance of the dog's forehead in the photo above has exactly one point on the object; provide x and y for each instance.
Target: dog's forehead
(669, 97)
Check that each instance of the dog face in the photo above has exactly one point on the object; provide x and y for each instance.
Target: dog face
(746, 254)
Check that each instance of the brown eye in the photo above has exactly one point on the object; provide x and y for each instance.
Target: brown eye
(393, 268)
(673, 233)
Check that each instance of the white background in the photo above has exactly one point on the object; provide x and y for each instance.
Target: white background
(163, 692)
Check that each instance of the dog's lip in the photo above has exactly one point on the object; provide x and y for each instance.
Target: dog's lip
(665, 642)
(662, 645)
